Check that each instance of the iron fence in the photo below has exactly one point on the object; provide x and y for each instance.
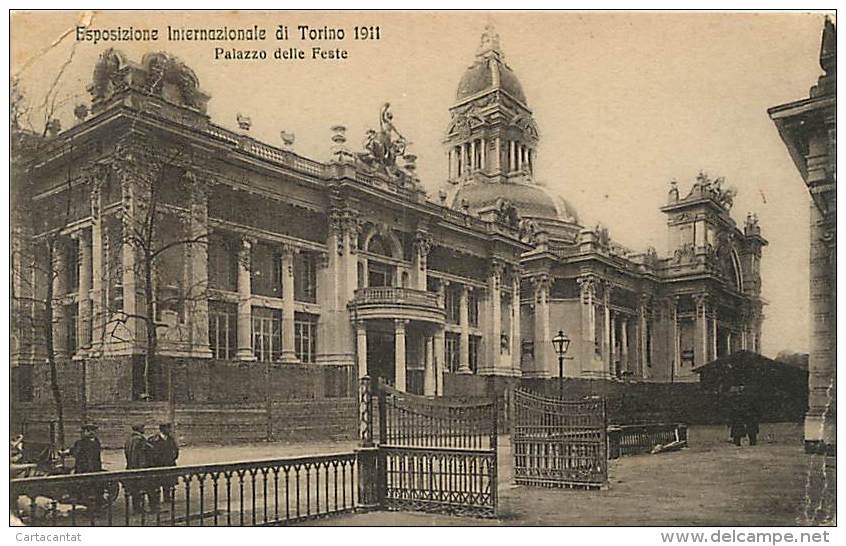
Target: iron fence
(558, 443)
(267, 492)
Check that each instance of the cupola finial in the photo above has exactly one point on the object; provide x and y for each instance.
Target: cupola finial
(490, 41)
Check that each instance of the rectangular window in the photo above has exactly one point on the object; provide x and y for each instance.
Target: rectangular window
(473, 308)
(379, 274)
(474, 350)
(267, 333)
(223, 263)
(223, 329)
(72, 316)
(305, 278)
(71, 266)
(452, 351)
(305, 336)
(266, 271)
(452, 306)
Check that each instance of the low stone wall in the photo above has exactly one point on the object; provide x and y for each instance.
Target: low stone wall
(312, 420)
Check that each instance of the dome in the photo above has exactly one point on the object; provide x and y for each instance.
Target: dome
(488, 74)
(531, 200)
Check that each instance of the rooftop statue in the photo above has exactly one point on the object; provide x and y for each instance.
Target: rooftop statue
(383, 147)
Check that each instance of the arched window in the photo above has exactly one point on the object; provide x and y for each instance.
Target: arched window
(378, 245)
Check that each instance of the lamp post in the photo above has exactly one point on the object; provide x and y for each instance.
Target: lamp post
(561, 343)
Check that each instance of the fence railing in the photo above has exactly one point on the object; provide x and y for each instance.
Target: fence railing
(266, 492)
(634, 439)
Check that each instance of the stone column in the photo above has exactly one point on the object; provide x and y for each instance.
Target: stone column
(128, 255)
(511, 155)
(495, 314)
(644, 345)
(58, 272)
(484, 158)
(245, 311)
(464, 323)
(498, 157)
(541, 340)
(606, 338)
(289, 355)
(97, 269)
(612, 340)
(399, 354)
(714, 335)
(429, 381)
(361, 348)
(84, 290)
(473, 164)
(624, 345)
(422, 247)
(468, 165)
(674, 311)
(197, 263)
(700, 351)
(587, 312)
(439, 360)
(516, 348)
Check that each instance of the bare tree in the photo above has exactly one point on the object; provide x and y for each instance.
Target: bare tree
(159, 220)
(34, 264)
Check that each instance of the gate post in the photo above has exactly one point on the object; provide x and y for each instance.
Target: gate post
(367, 454)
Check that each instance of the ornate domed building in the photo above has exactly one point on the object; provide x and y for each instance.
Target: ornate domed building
(629, 314)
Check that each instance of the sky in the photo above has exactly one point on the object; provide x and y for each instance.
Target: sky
(624, 101)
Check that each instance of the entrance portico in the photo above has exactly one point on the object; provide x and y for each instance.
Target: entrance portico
(399, 337)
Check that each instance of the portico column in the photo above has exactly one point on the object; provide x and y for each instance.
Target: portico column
(429, 383)
(361, 348)
(439, 359)
(468, 165)
(84, 290)
(464, 323)
(701, 347)
(289, 355)
(399, 354)
(245, 312)
(473, 165)
(495, 310)
(541, 340)
(511, 155)
(644, 345)
(483, 156)
(59, 273)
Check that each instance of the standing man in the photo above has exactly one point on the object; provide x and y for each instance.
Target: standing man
(86, 454)
(165, 451)
(86, 451)
(137, 451)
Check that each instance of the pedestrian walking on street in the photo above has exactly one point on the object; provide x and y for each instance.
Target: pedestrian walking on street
(165, 452)
(737, 416)
(138, 455)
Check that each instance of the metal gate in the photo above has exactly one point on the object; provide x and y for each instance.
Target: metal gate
(437, 455)
(559, 443)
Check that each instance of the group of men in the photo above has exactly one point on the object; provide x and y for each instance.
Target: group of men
(158, 450)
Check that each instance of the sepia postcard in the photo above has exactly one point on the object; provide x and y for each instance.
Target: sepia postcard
(424, 268)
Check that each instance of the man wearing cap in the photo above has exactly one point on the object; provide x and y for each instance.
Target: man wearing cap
(165, 451)
(137, 451)
(86, 451)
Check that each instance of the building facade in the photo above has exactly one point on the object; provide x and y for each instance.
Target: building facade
(808, 128)
(155, 231)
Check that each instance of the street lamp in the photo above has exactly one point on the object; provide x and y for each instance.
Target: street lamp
(561, 343)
